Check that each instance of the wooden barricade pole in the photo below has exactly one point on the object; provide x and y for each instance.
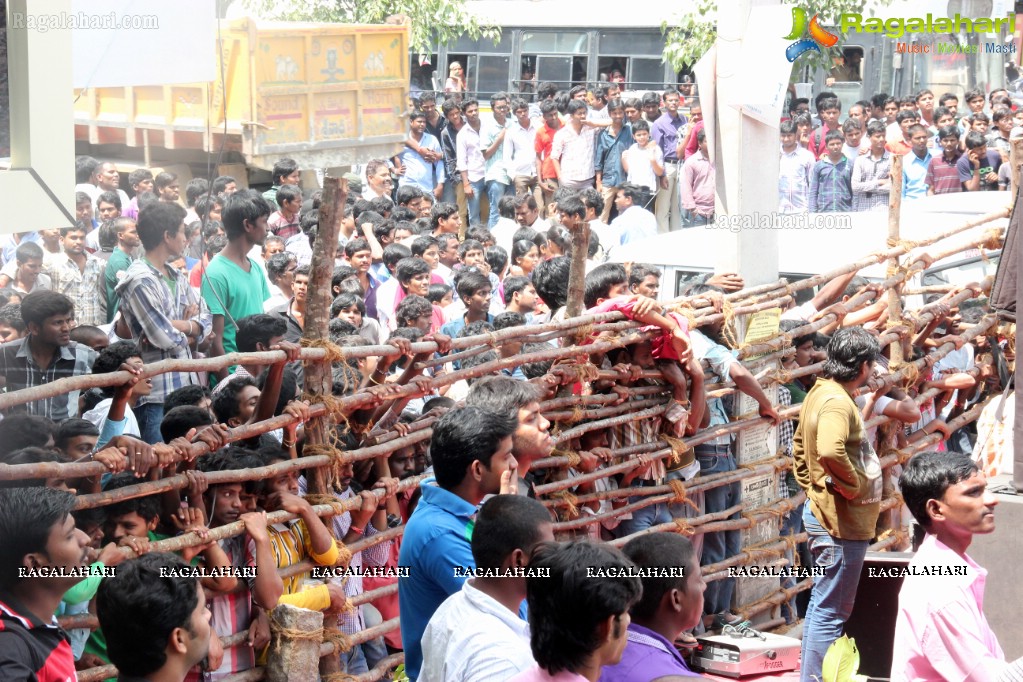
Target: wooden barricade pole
(577, 274)
(318, 375)
(894, 293)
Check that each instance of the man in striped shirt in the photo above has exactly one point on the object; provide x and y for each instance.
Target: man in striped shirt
(830, 188)
(46, 354)
(871, 176)
(942, 174)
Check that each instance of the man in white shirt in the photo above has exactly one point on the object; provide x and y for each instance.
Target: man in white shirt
(633, 222)
(520, 152)
(470, 161)
(477, 635)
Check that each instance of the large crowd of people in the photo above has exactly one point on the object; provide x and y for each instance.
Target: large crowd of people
(466, 232)
(829, 165)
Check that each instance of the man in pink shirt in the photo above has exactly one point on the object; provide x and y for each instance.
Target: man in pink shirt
(941, 632)
(578, 610)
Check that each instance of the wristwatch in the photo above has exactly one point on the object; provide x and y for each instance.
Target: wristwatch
(393, 520)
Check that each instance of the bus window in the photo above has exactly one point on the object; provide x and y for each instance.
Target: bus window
(424, 74)
(614, 68)
(646, 74)
(469, 71)
(557, 70)
(848, 67)
(491, 75)
(525, 82)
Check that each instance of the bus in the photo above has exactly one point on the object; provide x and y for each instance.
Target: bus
(572, 43)
(563, 42)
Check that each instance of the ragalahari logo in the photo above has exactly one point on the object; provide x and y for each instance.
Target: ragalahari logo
(818, 36)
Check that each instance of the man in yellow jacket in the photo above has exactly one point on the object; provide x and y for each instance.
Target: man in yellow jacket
(837, 467)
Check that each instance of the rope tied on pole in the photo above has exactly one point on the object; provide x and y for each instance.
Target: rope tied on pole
(679, 449)
(571, 502)
(684, 528)
(284, 632)
(333, 352)
(679, 488)
(340, 641)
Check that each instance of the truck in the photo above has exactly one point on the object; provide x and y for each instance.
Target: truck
(326, 95)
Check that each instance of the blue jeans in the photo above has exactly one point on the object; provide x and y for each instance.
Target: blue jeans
(495, 190)
(722, 544)
(375, 650)
(792, 524)
(473, 202)
(833, 595)
(354, 661)
(644, 518)
(149, 417)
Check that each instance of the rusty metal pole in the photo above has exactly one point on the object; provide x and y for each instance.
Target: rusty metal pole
(895, 293)
(318, 375)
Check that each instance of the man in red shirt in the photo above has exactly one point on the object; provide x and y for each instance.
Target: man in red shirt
(544, 140)
(40, 542)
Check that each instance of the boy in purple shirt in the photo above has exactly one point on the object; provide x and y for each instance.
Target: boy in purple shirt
(668, 608)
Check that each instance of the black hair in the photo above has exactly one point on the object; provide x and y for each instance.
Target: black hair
(834, 135)
(504, 524)
(410, 309)
(407, 193)
(635, 193)
(567, 606)
(356, 245)
(408, 268)
(282, 169)
(422, 244)
(467, 246)
(195, 188)
(245, 204)
(27, 251)
(221, 182)
(346, 300)
(463, 436)
(600, 280)
(178, 421)
(537, 368)
(945, 132)
(109, 198)
(186, 395)
(27, 517)
(442, 210)
(437, 292)
(40, 305)
(848, 350)
(506, 206)
(928, 475)
(225, 401)
(508, 319)
(468, 282)
(259, 328)
(503, 395)
(656, 550)
(786, 326)
(974, 140)
(156, 220)
(112, 357)
(140, 592)
(513, 285)
(520, 248)
(147, 507)
(875, 127)
(341, 273)
(73, 428)
(497, 258)
(85, 167)
(338, 327)
(24, 430)
(550, 278)
(905, 115)
(787, 128)
(641, 271)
